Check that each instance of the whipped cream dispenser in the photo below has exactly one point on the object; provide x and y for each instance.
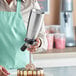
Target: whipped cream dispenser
(34, 25)
(66, 21)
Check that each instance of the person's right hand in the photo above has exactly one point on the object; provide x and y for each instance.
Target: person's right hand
(34, 47)
(3, 71)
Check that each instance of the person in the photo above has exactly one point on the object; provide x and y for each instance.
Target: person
(13, 27)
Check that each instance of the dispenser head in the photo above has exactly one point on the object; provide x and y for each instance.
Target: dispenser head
(67, 5)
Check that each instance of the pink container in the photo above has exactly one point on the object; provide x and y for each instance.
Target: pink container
(47, 31)
(59, 41)
(50, 39)
(53, 29)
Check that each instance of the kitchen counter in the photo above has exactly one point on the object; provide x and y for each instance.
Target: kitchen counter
(56, 58)
(55, 62)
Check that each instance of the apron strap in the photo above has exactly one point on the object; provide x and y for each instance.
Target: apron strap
(18, 6)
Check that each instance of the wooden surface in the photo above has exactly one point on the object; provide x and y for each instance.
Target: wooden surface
(66, 50)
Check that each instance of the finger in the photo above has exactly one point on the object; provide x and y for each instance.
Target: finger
(4, 70)
(31, 50)
(0, 67)
(38, 42)
(3, 73)
(0, 73)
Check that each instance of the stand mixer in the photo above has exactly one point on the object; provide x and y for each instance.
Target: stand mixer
(66, 21)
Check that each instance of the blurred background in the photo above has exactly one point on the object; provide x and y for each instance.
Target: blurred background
(53, 17)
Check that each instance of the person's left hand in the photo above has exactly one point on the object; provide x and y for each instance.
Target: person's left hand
(34, 47)
(3, 71)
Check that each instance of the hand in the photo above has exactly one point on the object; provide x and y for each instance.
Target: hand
(3, 71)
(34, 47)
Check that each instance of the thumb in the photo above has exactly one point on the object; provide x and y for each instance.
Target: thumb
(4, 70)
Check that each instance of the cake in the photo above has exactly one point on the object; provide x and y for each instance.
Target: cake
(34, 72)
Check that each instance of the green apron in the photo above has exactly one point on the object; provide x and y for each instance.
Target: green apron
(12, 34)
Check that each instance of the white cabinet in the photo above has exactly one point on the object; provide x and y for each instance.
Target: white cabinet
(56, 58)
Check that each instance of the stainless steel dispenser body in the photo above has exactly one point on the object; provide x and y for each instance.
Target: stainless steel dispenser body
(34, 25)
(66, 21)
